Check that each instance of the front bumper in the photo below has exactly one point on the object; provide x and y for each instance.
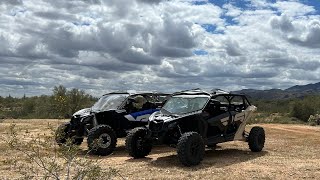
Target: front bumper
(79, 126)
(163, 133)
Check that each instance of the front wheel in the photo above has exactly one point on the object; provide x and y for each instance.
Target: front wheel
(136, 143)
(256, 139)
(61, 135)
(190, 149)
(102, 140)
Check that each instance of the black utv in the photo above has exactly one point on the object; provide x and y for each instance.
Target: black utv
(193, 119)
(109, 118)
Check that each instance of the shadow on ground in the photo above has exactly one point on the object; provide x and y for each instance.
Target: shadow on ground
(120, 151)
(213, 158)
(219, 158)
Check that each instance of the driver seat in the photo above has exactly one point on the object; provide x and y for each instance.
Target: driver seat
(214, 108)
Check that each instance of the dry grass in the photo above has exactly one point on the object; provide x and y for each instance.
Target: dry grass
(291, 152)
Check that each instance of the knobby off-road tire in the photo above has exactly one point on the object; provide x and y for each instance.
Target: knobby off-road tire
(190, 149)
(102, 140)
(136, 143)
(61, 135)
(256, 139)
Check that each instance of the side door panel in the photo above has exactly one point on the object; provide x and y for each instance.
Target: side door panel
(240, 117)
(140, 116)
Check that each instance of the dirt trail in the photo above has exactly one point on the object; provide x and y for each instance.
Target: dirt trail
(310, 130)
(291, 152)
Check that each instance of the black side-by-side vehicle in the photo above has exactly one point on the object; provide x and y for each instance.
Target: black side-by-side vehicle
(112, 116)
(193, 119)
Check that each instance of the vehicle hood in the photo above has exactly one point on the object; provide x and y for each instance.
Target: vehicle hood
(158, 116)
(83, 112)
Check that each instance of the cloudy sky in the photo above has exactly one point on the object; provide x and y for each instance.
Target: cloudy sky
(164, 45)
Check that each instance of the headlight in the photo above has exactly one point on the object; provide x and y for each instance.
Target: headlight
(86, 119)
(151, 117)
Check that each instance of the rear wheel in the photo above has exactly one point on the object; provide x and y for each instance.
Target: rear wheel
(102, 140)
(256, 139)
(190, 149)
(136, 143)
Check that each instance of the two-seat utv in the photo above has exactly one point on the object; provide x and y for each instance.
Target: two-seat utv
(193, 119)
(112, 116)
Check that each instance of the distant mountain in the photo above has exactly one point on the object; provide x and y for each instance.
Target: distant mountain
(309, 87)
(297, 91)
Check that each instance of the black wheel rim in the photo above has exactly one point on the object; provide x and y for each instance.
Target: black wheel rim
(104, 140)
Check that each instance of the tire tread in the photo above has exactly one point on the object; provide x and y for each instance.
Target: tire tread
(182, 149)
(92, 136)
(252, 139)
(131, 143)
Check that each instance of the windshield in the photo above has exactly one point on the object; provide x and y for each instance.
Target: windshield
(184, 104)
(111, 101)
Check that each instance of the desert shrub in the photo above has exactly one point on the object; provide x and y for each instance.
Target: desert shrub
(39, 157)
(314, 120)
(281, 118)
(273, 106)
(258, 118)
(304, 108)
(61, 103)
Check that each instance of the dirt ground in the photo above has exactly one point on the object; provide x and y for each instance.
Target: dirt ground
(291, 152)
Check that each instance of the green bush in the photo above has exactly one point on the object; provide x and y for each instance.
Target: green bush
(273, 118)
(62, 102)
(303, 109)
(299, 109)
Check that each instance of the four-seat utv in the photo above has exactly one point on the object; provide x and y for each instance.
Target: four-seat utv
(193, 119)
(110, 117)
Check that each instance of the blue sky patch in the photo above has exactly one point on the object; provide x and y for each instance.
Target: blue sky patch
(229, 20)
(199, 2)
(314, 3)
(200, 52)
(244, 4)
(211, 28)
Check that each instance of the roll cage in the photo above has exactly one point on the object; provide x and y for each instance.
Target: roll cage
(151, 97)
(226, 99)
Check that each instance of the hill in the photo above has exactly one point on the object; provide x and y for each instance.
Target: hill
(297, 91)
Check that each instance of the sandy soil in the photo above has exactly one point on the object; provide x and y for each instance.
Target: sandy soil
(291, 152)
